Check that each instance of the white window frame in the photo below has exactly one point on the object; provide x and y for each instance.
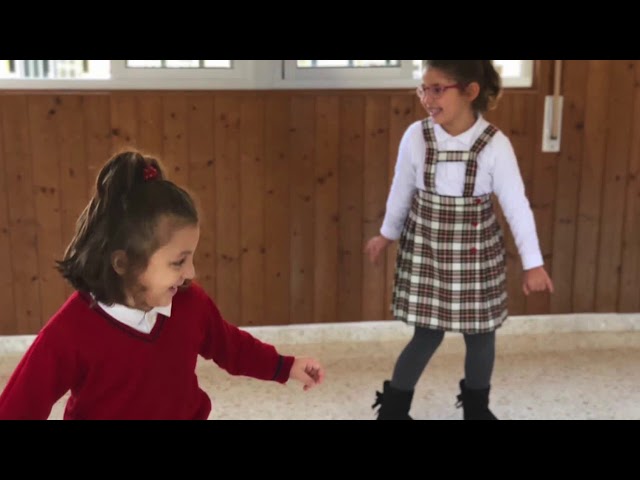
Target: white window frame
(291, 76)
(247, 75)
(240, 76)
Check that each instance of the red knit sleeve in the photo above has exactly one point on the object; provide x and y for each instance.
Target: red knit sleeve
(45, 373)
(237, 351)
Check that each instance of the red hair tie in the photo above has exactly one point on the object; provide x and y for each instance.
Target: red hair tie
(150, 173)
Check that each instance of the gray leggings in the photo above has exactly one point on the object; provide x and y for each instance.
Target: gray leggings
(478, 364)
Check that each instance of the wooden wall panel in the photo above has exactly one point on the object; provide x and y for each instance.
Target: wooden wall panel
(291, 185)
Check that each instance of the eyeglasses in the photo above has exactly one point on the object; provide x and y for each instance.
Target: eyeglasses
(436, 91)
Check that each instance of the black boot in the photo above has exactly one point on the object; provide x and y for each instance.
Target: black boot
(475, 403)
(394, 404)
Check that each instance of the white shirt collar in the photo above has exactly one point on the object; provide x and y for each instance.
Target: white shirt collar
(467, 139)
(134, 318)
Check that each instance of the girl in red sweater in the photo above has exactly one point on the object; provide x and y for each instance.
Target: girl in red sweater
(127, 341)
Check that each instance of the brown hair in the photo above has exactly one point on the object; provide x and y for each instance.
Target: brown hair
(467, 71)
(132, 196)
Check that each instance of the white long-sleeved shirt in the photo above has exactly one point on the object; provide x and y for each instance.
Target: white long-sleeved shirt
(498, 173)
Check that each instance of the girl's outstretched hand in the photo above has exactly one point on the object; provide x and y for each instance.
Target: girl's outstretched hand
(308, 371)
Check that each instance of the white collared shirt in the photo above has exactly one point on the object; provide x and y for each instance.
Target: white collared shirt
(498, 172)
(134, 318)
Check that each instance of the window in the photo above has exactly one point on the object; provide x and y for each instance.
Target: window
(346, 63)
(230, 74)
(179, 64)
(126, 74)
(346, 74)
(515, 73)
(55, 69)
(385, 73)
(94, 69)
(186, 74)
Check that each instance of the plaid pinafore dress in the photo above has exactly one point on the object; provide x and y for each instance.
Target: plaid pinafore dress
(451, 269)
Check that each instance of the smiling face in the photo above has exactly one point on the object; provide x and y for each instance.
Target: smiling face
(448, 102)
(169, 267)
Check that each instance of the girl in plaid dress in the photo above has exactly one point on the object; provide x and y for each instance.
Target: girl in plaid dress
(450, 274)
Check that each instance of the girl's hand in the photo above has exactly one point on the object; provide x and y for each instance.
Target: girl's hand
(308, 371)
(375, 247)
(536, 280)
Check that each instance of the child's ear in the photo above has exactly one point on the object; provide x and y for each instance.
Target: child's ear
(119, 262)
(472, 91)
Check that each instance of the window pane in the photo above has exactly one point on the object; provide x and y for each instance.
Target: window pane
(217, 63)
(144, 63)
(5, 69)
(346, 63)
(179, 64)
(182, 63)
(508, 69)
(56, 69)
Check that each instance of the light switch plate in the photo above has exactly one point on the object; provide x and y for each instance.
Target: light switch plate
(549, 144)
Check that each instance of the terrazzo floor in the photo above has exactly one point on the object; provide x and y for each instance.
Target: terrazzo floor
(559, 376)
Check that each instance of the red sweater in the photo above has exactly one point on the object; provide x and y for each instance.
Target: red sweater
(116, 372)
